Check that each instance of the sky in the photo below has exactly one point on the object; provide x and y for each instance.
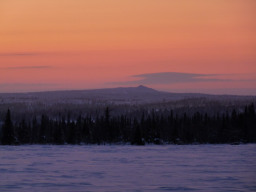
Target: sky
(206, 46)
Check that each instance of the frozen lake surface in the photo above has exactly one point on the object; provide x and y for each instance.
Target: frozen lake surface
(128, 168)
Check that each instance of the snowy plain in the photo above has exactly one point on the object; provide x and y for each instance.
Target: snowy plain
(128, 168)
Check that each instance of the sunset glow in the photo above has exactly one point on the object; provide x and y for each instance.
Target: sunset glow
(83, 44)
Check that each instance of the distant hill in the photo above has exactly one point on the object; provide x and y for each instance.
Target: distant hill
(120, 95)
(123, 100)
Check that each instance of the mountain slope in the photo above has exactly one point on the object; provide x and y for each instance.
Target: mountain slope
(121, 95)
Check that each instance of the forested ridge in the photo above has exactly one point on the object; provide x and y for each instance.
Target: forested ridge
(146, 127)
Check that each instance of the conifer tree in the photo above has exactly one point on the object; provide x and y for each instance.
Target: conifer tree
(8, 132)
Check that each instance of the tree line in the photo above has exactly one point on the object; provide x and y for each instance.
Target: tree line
(146, 127)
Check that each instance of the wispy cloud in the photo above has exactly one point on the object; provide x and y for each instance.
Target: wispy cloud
(28, 67)
(172, 77)
(14, 54)
(26, 84)
(26, 87)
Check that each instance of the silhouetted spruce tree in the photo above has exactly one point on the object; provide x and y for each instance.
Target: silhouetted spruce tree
(34, 131)
(86, 133)
(8, 131)
(107, 127)
(79, 128)
(251, 123)
(58, 137)
(137, 138)
(23, 133)
(71, 137)
(43, 129)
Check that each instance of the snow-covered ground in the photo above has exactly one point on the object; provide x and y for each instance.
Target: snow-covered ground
(128, 168)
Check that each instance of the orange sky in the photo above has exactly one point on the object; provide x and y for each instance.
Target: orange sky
(82, 44)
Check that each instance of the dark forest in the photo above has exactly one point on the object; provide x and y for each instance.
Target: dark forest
(146, 127)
